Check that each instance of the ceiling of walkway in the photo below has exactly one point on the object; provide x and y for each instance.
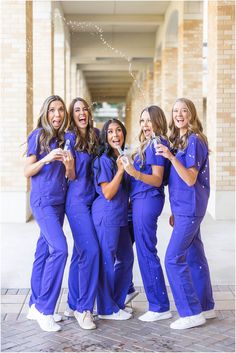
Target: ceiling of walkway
(111, 41)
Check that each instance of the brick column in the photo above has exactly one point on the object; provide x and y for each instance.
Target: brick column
(73, 80)
(221, 107)
(169, 78)
(157, 83)
(42, 53)
(59, 54)
(136, 102)
(82, 89)
(17, 103)
(190, 61)
(68, 68)
(148, 87)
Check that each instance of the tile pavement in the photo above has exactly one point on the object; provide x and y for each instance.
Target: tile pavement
(22, 335)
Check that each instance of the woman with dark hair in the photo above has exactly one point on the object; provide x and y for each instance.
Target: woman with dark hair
(110, 216)
(147, 198)
(189, 188)
(84, 267)
(47, 165)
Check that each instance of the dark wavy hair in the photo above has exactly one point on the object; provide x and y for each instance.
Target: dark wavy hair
(89, 142)
(104, 146)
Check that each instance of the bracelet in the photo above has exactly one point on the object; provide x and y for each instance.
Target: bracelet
(138, 177)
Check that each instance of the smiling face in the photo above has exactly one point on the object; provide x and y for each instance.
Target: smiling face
(56, 114)
(146, 125)
(181, 116)
(81, 116)
(115, 136)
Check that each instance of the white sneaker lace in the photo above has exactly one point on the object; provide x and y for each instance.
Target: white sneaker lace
(88, 315)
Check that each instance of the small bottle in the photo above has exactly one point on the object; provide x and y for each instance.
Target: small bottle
(67, 144)
(121, 152)
(155, 140)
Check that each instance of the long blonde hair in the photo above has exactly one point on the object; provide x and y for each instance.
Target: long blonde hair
(159, 126)
(89, 142)
(47, 131)
(194, 127)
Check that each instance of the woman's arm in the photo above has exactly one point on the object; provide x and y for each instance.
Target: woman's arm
(110, 189)
(32, 166)
(188, 175)
(154, 179)
(69, 163)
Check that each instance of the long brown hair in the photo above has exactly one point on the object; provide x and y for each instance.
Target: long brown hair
(194, 127)
(89, 142)
(48, 132)
(159, 126)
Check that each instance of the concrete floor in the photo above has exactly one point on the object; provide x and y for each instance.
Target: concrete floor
(22, 335)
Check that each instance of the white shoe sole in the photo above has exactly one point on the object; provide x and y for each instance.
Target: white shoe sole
(188, 326)
(162, 316)
(115, 317)
(56, 329)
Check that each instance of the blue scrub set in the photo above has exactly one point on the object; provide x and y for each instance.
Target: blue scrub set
(110, 218)
(185, 261)
(84, 267)
(47, 200)
(147, 205)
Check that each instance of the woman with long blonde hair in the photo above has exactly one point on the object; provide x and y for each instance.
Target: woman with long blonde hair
(147, 197)
(47, 165)
(189, 188)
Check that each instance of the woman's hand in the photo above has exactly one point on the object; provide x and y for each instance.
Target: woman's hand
(32, 166)
(69, 163)
(129, 168)
(54, 155)
(120, 165)
(164, 151)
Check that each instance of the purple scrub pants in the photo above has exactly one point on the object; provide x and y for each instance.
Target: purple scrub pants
(114, 282)
(187, 268)
(145, 214)
(84, 267)
(50, 258)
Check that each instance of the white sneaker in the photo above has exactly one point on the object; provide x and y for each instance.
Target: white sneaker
(46, 322)
(32, 314)
(85, 320)
(188, 321)
(120, 315)
(209, 314)
(69, 312)
(130, 297)
(150, 316)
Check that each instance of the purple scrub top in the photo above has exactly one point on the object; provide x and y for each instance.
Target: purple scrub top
(191, 200)
(139, 188)
(48, 186)
(113, 212)
(82, 188)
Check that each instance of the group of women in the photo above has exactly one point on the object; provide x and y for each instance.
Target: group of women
(82, 173)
